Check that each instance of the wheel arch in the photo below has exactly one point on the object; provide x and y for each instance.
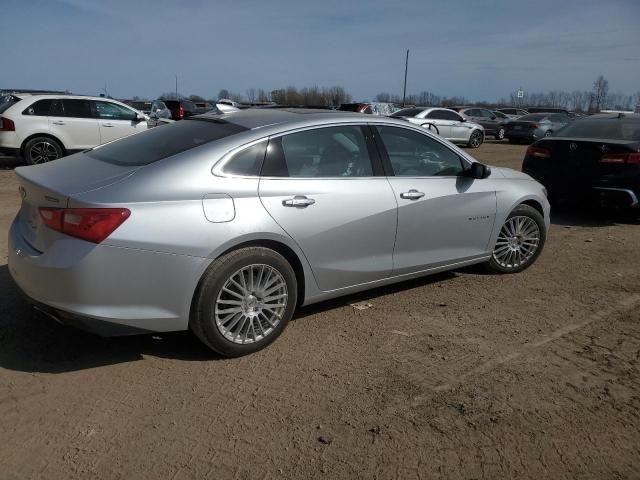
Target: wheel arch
(46, 135)
(534, 204)
(286, 251)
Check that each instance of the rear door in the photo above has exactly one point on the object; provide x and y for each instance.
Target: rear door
(325, 188)
(444, 216)
(437, 121)
(116, 121)
(71, 120)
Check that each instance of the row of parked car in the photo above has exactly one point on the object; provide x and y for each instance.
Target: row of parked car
(41, 127)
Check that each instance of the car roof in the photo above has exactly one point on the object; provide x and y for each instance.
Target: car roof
(73, 97)
(259, 118)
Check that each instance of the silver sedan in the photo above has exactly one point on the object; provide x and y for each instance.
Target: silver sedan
(225, 224)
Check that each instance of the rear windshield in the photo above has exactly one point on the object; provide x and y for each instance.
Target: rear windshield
(6, 102)
(533, 117)
(614, 129)
(407, 112)
(164, 141)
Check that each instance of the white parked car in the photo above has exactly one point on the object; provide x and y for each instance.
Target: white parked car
(41, 128)
(446, 123)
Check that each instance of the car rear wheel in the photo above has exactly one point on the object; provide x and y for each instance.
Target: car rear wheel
(41, 150)
(500, 134)
(548, 133)
(519, 242)
(244, 302)
(475, 140)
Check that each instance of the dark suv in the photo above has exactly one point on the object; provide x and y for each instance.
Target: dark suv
(493, 125)
(181, 109)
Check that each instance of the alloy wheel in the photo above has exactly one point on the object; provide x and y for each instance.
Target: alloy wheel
(251, 304)
(475, 140)
(517, 242)
(42, 152)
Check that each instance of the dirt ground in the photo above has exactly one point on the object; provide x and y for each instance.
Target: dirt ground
(460, 375)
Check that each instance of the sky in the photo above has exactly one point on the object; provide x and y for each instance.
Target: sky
(479, 49)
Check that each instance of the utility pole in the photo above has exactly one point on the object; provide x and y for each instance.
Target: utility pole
(406, 67)
(177, 88)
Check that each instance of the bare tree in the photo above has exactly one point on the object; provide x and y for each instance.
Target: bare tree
(251, 95)
(171, 96)
(224, 93)
(599, 93)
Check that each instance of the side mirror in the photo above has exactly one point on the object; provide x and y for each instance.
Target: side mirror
(479, 171)
(493, 118)
(139, 118)
(463, 119)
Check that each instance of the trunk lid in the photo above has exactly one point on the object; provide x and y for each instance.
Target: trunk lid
(52, 185)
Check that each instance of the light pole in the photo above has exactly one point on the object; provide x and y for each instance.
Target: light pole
(406, 67)
(177, 88)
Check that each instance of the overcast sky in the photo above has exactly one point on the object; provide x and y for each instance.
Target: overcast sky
(471, 48)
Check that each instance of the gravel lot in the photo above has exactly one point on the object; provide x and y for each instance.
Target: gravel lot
(459, 375)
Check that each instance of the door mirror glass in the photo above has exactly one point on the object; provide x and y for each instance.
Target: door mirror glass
(479, 171)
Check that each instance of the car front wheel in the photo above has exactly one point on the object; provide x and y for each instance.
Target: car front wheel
(244, 302)
(500, 134)
(519, 242)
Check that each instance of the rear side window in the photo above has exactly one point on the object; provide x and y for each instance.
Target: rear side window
(247, 162)
(449, 115)
(164, 141)
(39, 108)
(72, 108)
(321, 152)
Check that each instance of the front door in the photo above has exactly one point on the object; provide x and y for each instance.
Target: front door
(116, 121)
(444, 216)
(319, 186)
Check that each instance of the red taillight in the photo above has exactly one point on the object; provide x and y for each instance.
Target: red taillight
(538, 152)
(90, 224)
(632, 158)
(181, 113)
(535, 125)
(7, 125)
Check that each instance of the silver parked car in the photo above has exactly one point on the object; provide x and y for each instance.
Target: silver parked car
(225, 224)
(446, 123)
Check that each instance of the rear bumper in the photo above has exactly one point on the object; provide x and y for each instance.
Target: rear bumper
(9, 151)
(618, 197)
(108, 290)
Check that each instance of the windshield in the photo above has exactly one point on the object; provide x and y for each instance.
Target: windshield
(164, 141)
(613, 128)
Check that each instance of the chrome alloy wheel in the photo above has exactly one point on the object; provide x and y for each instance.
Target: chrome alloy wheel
(476, 139)
(251, 304)
(42, 152)
(517, 243)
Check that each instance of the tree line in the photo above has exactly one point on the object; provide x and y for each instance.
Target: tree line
(594, 100)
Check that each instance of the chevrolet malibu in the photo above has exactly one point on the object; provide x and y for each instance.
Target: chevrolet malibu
(225, 224)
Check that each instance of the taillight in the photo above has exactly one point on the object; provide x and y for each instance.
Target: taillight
(538, 152)
(7, 125)
(90, 224)
(629, 158)
(181, 113)
(535, 125)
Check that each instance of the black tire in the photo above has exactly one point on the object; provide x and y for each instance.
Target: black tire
(500, 134)
(548, 133)
(205, 308)
(41, 150)
(494, 266)
(475, 139)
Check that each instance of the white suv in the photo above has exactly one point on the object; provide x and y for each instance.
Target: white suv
(42, 128)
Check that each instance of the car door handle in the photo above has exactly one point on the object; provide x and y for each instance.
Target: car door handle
(412, 195)
(58, 122)
(299, 201)
(107, 124)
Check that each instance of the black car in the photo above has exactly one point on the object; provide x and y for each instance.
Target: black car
(493, 125)
(181, 109)
(593, 158)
